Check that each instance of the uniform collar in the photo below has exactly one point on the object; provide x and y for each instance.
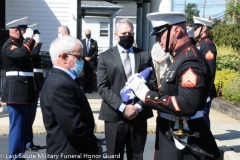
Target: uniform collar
(13, 39)
(181, 48)
(203, 38)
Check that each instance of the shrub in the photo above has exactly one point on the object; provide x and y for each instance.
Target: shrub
(222, 50)
(227, 58)
(231, 61)
(222, 78)
(232, 91)
(226, 35)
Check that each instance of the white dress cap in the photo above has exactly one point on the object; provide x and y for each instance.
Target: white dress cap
(35, 27)
(160, 20)
(22, 23)
(190, 31)
(202, 21)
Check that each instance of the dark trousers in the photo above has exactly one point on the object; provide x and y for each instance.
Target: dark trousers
(206, 112)
(121, 134)
(18, 117)
(88, 76)
(31, 117)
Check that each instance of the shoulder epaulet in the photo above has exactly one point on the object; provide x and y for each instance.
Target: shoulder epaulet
(10, 40)
(208, 40)
(191, 52)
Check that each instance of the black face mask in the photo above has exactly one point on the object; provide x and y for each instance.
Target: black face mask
(126, 41)
(88, 36)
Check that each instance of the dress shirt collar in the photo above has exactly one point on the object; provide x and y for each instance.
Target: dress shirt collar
(121, 49)
(67, 71)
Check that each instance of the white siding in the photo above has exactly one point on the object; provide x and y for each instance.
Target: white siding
(93, 23)
(48, 13)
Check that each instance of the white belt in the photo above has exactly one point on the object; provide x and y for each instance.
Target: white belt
(19, 73)
(199, 114)
(37, 70)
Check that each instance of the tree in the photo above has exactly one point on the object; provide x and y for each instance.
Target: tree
(232, 11)
(191, 10)
(216, 21)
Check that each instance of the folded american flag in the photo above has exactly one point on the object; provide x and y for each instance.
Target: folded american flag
(127, 94)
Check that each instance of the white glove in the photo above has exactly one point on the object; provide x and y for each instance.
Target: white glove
(28, 33)
(132, 77)
(139, 88)
(36, 38)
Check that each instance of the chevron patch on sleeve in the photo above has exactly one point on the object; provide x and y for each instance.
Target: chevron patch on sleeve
(209, 55)
(189, 78)
(13, 47)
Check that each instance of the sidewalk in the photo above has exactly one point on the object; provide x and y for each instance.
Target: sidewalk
(225, 129)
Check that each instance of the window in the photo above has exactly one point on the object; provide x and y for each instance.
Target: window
(103, 29)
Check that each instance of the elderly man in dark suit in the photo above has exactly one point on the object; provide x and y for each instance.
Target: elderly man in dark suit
(125, 124)
(90, 52)
(67, 116)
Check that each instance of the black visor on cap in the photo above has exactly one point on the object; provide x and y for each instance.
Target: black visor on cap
(22, 26)
(196, 25)
(159, 29)
(36, 32)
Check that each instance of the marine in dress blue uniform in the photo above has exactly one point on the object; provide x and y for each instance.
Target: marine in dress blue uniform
(18, 89)
(205, 45)
(182, 94)
(38, 82)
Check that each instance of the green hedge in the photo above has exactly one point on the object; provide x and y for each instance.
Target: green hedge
(227, 58)
(228, 62)
(226, 35)
(222, 79)
(231, 92)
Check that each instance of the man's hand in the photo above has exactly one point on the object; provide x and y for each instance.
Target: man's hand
(28, 33)
(36, 38)
(130, 112)
(87, 58)
(99, 150)
(139, 88)
(159, 61)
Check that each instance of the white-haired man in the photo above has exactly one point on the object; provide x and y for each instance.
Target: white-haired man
(63, 30)
(67, 116)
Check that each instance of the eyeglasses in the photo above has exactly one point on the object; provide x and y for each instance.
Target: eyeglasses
(79, 57)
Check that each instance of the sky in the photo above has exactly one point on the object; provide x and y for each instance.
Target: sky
(213, 8)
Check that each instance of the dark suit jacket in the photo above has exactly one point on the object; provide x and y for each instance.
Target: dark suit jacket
(111, 79)
(67, 116)
(93, 52)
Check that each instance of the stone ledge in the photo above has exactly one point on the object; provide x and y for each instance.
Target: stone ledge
(226, 108)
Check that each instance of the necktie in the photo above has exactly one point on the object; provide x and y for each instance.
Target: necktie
(127, 64)
(88, 46)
